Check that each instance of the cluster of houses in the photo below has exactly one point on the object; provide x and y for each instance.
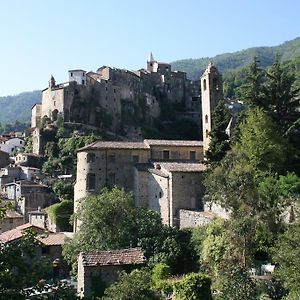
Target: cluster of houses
(164, 175)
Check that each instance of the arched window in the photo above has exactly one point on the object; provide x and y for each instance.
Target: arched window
(204, 84)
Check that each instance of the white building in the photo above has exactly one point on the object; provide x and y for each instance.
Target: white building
(8, 145)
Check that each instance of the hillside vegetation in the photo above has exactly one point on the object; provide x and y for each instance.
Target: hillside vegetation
(231, 65)
(18, 107)
(237, 60)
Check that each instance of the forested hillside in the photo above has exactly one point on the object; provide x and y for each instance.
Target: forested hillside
(231, 65)
(237, 60)
(18, 107)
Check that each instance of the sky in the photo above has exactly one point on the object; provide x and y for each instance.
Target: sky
(40, 38)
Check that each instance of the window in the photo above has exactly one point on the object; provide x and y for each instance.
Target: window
(45, 250)
(206, 118)
(90, 157)
(192, 155)
(135, 159)
(82, 81)
(11, 220)
(21, 142)
(82, 74)
(91, 181)
(166, 154)
(54, 103)
(112, 179)
(206, 133)
(71, 74)
(112, 158)
(204, 84)
(160, 194)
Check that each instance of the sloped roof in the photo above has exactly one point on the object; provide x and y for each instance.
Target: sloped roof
(53, 239)
(13, 214)
(114, 145)
(173, 143)
(17, 233)
(182, 167)
(129, 256)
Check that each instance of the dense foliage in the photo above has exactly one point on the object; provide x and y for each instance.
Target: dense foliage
(238, 60)
(18, 107)
(110, 220)
(60, 214)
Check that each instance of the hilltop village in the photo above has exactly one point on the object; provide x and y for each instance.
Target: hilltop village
(164, 175)
(141, 170)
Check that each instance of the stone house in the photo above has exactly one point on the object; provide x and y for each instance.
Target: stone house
(50, 244)
(11, 220)
(28, 196)
(9, 144)
(13, 173)
(4, 159)
(103, 266)
(167, 187)
(103, 164)
(28, 160)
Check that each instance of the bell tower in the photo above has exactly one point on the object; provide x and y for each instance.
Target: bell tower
(211, 94)
(150, 62)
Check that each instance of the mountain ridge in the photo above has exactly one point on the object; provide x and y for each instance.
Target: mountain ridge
(18, 107)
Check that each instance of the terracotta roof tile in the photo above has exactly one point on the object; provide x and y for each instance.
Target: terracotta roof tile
(53, 239)
(17, 233)
(114, 145)
(173, 143)
(113, 257)
(181, 167)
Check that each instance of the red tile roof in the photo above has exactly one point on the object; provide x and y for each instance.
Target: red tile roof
(130, 256)
(17, 233)
(53, 239)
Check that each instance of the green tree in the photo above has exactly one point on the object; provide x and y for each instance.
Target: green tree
(286, 253)
(219, 143)
(194, 286)
(60, 214)
(133, 286)
(251, 91)
(23, 271)
(282, 96)
(261, 141)
(236, 284)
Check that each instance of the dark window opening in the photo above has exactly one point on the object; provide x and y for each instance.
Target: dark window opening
(91, 157)
(112, 158)
(91, 181)
(204, 84)
(166, 154)
(192, 155)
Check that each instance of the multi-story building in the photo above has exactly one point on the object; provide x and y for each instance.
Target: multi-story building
(124, 164)
(110, 98)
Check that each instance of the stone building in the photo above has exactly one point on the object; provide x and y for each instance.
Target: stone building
(11, 220)
(104, 266)
(167, 187)
(112, 98)
(28, 196)
(103, 164)
(211, 94)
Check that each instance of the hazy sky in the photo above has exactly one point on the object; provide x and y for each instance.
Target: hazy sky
(40, 38)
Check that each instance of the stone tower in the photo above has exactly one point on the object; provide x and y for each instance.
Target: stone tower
(51, 82)
(150, 62)
(211, 93)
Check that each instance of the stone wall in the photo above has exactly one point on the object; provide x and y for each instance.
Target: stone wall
(190, 218)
